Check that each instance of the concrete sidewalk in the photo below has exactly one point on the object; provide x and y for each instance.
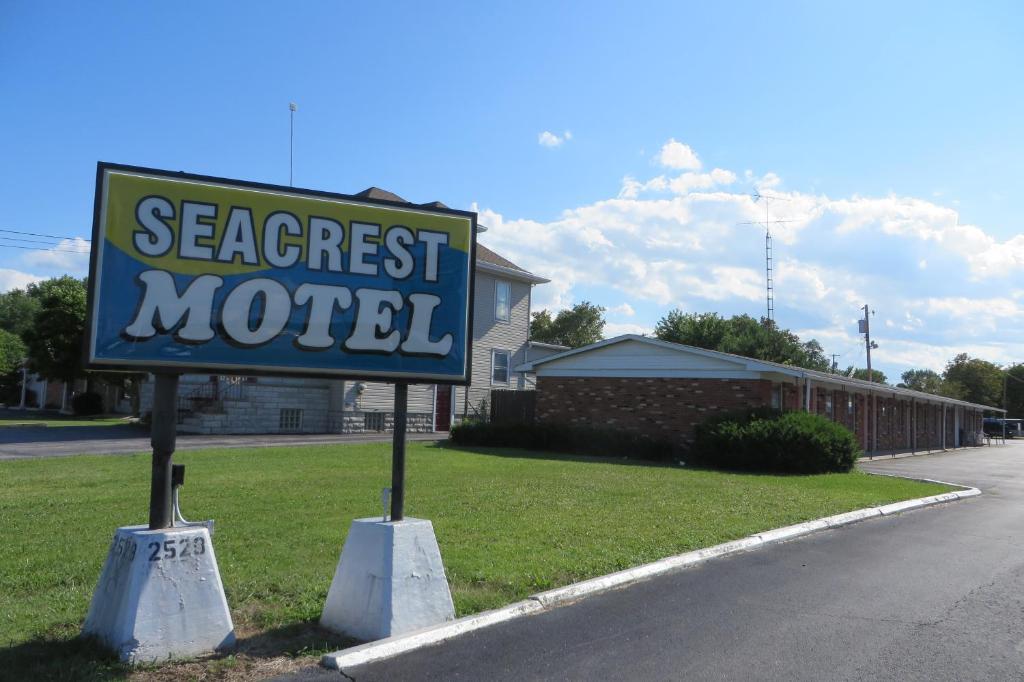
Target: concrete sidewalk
(35, 442)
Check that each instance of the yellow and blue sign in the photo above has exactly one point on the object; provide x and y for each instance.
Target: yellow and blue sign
(193, 273)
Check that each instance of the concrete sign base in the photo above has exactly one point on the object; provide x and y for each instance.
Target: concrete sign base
(389, 581)
(160, 596)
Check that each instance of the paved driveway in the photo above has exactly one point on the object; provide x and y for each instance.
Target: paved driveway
(936, 594)
(37, 442)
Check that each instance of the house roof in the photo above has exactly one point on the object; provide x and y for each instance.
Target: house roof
(550, 346)
(380, 195)
(754, 365)
(485, 258)
(489, 261)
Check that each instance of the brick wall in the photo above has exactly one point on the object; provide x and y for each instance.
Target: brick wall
(669, 409)
(663, 409)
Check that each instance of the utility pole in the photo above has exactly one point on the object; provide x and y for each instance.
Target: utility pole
(834, 356)
(292, 108)
(865, 329)
(1006, 375)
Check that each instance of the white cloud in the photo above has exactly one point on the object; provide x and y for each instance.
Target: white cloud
(16, 279)
(670, 239)
(549, 139)
(675, 154)
(683, 183)
(69, 256)
(625, 310)
(613, 329)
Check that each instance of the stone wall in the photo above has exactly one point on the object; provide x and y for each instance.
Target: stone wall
(356, 422)
(260, 411)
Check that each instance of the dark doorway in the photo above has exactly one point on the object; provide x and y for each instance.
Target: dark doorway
(443, 408)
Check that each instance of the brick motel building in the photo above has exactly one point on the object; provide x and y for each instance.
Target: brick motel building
(663, 390)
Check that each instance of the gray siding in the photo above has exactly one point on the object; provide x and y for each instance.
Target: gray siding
(490, 334)
(380, 397)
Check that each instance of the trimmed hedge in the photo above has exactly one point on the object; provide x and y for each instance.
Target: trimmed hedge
(562, 438)
(770, 441)
(86, 404)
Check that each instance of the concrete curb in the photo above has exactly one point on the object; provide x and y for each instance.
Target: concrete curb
(392, 646)
(923, 453)
(543, 601)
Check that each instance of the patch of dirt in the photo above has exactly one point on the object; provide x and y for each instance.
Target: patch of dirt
(259, 654)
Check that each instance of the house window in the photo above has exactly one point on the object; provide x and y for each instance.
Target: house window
(777, 398)
(499, 366)
(849, 405)
(828, 405)
(502, 300)
(373, 421)
(290, 419)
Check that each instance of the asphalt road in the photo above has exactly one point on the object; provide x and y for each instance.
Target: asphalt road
(36, 442)
(935, 594)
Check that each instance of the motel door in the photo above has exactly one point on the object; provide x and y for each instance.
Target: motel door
(443, 408)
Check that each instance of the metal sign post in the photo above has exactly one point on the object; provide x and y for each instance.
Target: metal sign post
(163, 437)
(192, 274)
(398, 452)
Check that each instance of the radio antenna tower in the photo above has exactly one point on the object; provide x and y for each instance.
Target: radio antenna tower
(769, 267)
(292, 108)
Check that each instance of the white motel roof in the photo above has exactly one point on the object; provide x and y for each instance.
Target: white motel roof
(634, 356)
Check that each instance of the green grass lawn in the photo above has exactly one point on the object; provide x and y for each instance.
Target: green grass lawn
(509, 523)
(48, 419)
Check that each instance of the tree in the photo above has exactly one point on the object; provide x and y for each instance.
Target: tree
(18, 309)
(1015, 392)
(542, 327)
(877, 376)
(742, 335)
(924, 380)
(580, 325)
(12, 351)
(54, 341)
(703, 330)
(974, 380)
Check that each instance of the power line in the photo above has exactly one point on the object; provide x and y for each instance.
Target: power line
(31, 241)
(48, 236)
(33, 248)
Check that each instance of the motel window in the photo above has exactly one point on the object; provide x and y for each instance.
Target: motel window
(499, 366)
(502, 300)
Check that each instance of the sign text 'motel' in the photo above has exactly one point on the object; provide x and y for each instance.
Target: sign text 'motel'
(197, 273)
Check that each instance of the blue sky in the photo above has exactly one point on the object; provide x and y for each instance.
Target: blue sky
(890, 132)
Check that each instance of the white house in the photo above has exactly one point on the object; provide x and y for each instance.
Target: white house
(501, 331)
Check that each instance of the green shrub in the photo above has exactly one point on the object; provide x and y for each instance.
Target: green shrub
(765, 440)
(601, 442)
(87, 403)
